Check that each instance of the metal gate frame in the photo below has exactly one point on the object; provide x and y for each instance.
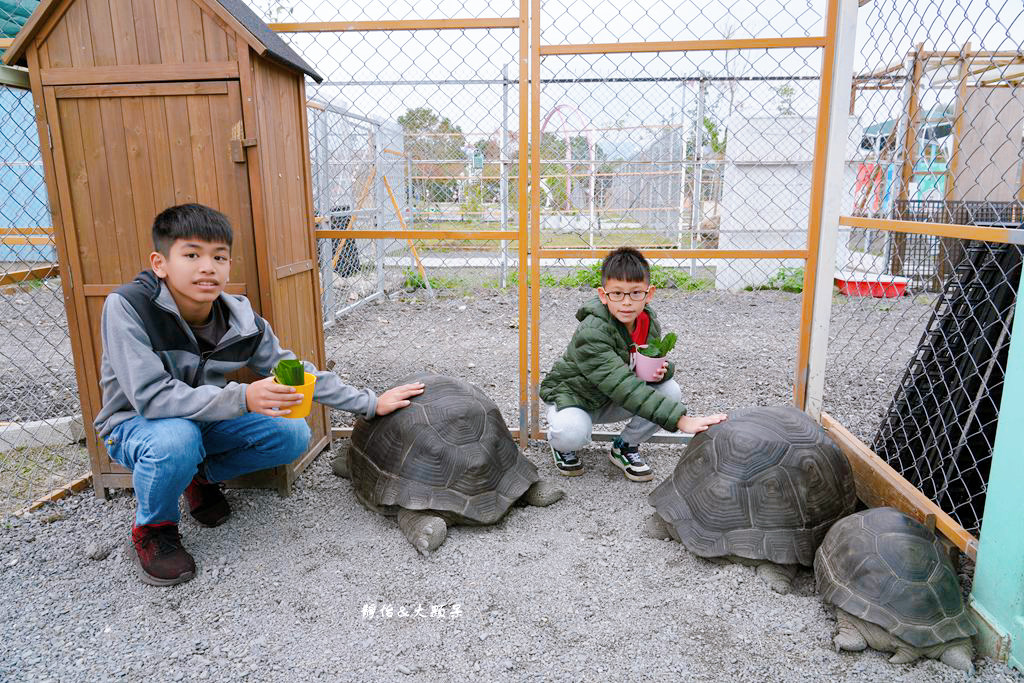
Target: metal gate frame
(519, 236)
(825, 134)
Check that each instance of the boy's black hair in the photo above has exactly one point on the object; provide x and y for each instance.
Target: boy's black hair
(626, 264)
(190, 221)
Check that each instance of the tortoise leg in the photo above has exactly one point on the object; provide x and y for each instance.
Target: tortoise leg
(339, 465)
(425, 532)
(959, 656)
(542, 493)
(657, 527)
(904, 655)
(849, 636)
(778, 576)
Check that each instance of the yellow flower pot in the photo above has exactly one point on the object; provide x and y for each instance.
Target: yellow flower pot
(306, 389)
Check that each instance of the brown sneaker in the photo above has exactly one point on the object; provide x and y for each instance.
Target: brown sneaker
(160, 558)
(206, 502)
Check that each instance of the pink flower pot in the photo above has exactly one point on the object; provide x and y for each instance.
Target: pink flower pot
(645, 367)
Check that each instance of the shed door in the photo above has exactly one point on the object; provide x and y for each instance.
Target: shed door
(123, 153)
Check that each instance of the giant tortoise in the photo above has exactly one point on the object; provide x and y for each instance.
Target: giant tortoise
(447, 458)
(760, 489)
(894, 589)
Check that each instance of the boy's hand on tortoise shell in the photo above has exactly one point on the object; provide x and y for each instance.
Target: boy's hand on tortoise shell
(397, 397)
(695, 425)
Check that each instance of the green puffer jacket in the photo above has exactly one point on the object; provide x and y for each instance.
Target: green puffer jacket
(595, 370)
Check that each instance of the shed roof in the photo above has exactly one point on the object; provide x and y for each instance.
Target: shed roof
(276, 47)
(260, 34)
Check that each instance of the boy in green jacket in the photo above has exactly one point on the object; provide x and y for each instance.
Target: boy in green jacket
(593, 382)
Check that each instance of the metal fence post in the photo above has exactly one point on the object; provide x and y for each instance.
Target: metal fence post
(378, 195)
(503, 163)
(698, 171)
(323, 203)
(997, 595)
(828, 185)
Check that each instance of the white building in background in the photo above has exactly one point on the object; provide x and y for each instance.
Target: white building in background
(766, 194)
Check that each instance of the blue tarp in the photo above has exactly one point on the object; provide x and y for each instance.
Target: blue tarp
(13, 15)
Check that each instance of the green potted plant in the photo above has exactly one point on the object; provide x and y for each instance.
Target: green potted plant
(649, 357)
(291, 372)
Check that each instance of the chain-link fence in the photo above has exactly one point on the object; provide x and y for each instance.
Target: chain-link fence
(937, 121)
(40, 418)
(414, 138)
(704, 158)
(701, 158)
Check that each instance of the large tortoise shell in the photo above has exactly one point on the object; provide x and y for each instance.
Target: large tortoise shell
(449, 452)
(886, 568)
(764, 485)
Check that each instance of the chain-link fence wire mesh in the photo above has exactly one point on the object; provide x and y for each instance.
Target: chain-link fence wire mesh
(937, 120)
(735, 348)
(703, 150)
(40, 418)
(684, 150)
(457, 320)
(417, 130)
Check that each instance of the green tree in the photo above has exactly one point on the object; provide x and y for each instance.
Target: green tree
(436, 147)
(786, 93)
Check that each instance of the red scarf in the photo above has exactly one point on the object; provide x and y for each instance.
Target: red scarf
(642, 327)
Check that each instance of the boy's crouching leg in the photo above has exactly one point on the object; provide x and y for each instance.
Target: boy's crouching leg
(163, 456)
(253, 442)
(285, 441)
(669, 388)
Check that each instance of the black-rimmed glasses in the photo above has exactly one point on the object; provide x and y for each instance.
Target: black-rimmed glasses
(635, 296)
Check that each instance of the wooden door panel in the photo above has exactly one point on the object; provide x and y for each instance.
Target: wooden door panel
(130, 151)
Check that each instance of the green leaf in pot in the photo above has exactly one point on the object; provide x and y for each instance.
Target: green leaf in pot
(668, 342)
(659, 347)
(290, 372)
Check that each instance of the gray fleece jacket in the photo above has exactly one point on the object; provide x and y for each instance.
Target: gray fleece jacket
(152, 365)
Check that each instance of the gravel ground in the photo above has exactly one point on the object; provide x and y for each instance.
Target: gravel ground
(570, 592)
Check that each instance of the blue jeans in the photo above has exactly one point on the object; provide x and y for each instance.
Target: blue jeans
(165, 454)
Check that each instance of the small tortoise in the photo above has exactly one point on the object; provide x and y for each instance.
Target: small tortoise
(447, 458)
(894, 589)
(760, 489)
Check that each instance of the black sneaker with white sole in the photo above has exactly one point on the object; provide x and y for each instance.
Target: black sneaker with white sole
(627, 458)
(567, 463)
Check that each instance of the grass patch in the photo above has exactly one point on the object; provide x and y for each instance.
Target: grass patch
(786, 279)
(413, 280)
(589, 277)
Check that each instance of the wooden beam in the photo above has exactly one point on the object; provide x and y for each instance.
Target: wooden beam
(418, 234)
(144, 73)
(524, 222)
(967, 232)
(16, 277)
(680, 253)
(815, 222)
(396, 25)
(15, 50)
(684, 46)
(14, 78)
(140, 90)
(878, 485)
(56, 494)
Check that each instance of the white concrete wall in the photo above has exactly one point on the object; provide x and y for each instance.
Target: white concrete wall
(766, 194)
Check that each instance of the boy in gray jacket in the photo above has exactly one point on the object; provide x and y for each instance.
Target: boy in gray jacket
(169, 414)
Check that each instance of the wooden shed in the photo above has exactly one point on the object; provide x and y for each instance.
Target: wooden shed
(143, 104)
